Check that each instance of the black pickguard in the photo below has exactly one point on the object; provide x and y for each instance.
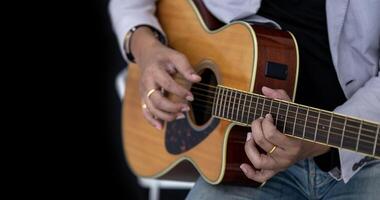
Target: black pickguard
(180, 136)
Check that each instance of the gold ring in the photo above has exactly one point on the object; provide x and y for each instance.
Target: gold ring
(272, 150)
(150, 92)
(144, 106)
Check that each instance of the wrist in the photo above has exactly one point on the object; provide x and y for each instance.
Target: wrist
(319, 150)
(141, 39)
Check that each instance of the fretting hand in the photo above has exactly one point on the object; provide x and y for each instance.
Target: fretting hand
(281, 151)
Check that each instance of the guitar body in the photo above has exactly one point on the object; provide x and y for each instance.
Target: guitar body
(236, 55)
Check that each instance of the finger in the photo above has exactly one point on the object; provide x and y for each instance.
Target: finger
(150, 84)
(184, 67)
(257, 175)
(150, 118)
(170, 68)
(162, 103)
(259, 161)
(274, 136)
(275, 94)
(258, 136)
(158, 113)
(164, 80)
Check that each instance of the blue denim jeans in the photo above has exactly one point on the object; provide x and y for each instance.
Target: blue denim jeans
(304, 180)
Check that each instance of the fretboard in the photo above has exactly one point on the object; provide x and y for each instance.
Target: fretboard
(298, 121)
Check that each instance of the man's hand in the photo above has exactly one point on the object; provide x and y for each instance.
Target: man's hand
(266, 136)
(158, 63)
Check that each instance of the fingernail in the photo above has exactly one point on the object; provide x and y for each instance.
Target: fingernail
(190, 98)
(243, 169)
(180, 116)
(158, 126)
(195, 76)
(249, 136)
(261, 117)
(268, 116)
(265, 88)
(185, 109)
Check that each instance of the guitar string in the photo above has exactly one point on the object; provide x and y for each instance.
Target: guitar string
(252, 95)
(290, 117)
(327, 120)
(324, 131)
(289, 111)
(291, 124)
(294, 122)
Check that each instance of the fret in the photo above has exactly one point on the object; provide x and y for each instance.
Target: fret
(351, 134)
(283, 107)
(253, 106)
(215, 102)
(311, 123)
(257, 103)
(336, 130)
(224, 103)
(221, 102)
(367, 139)
(277, 114)
(304, 125)
(233, 106)
(316, 126)
(328, 132)
(300, 122)
(344, 129)
(294, 121)
(270, 107)
(376, 151)
(238, 113)
(267, 106)
(263, 107)
(286, 117)
(237, 116)
(377, 136)
(323, 126)
(360, 131)
(231, 101)
(274, 109)
(243, 113)
(249, 109)
(290, 119)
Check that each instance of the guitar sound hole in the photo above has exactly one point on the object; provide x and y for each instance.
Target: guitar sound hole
(204, 92)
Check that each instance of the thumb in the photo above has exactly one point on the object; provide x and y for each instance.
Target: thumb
(183, 66)
(275, 94)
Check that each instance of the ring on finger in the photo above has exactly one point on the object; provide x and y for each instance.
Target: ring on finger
(144, 106)
(150, 92)
(273, 149)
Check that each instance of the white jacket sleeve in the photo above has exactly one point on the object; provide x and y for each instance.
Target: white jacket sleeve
(126, 14)
(365, 103)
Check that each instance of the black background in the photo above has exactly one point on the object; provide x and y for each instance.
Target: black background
(65, 109)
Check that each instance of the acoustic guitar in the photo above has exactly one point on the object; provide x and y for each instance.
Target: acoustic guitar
(234, 61)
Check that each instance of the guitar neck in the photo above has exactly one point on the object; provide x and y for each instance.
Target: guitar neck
(297, 120)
